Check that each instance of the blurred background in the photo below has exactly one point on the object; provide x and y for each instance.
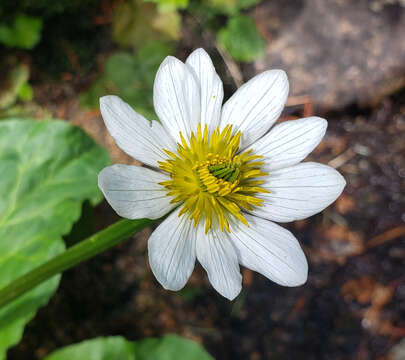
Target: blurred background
(345, 61)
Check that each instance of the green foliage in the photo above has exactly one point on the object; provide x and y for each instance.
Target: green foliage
(24, 32)
(130, 77)
(241, 39)
(167, 5)
(16, 86)
(169, 347)
(230, 7)
(48, 169)
(189, 293)
(103, 348)
(25, 92)
(136, 23)
(244, 4)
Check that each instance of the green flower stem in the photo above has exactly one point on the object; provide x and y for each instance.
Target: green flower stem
(82, 251)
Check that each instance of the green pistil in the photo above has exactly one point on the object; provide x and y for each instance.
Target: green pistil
(234, 176)
(225, 171)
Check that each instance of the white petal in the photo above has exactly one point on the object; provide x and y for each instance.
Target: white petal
(212, 92)
(256, 105)
(138, 137)
(171, 250)
(133, 191)
(299, 191)
(176, 97)
(290, 142)
(217, 255)
(271, 250)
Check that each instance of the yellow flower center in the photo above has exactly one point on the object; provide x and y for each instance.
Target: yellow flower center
(212, 180)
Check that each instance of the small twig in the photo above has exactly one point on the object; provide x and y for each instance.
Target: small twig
(386, 236)
(398, 332)
(304, 100)
(362, 354)
(107, 12)
(342, 159)
(71, 56)
(232, 66)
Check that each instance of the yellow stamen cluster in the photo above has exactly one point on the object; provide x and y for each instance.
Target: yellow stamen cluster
(211, 179)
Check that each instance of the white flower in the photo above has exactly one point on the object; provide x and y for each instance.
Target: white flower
(225, 177)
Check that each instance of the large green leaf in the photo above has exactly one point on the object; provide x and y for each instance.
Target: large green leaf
(103, 348)
(169, 347)
(47, 170)
(242, 39)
